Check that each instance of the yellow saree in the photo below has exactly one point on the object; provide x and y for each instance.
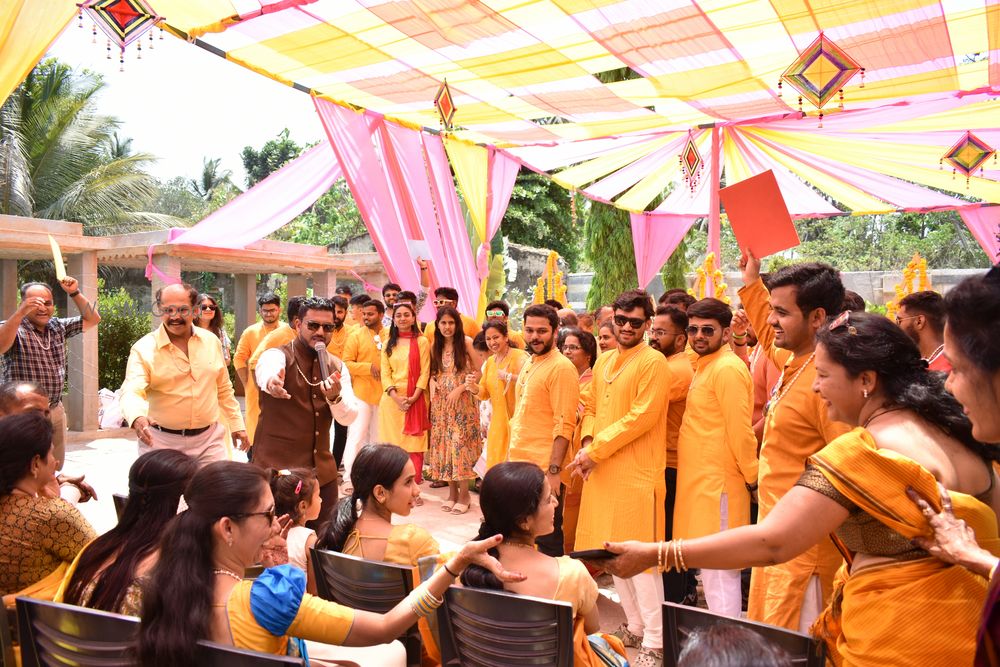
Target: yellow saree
(914, 612)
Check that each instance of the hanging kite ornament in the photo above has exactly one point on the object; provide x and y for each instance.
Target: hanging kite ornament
(123, 21)
(691, 163)
(820, 72)
(445, 105)
(968, 154)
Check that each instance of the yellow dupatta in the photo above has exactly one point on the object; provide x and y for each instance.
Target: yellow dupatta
(918, 612)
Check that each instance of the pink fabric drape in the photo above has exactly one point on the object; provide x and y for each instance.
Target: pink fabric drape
(655, 236)
(984, 223)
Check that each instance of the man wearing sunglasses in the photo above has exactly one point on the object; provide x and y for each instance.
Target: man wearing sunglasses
(298, 403)
(921, 316)
(500, 310)
(177, 384)
(796, 426)
(448, 296)
(362, 356)
(622, 458)
(716, 447)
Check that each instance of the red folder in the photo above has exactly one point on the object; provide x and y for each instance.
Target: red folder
(758, 215)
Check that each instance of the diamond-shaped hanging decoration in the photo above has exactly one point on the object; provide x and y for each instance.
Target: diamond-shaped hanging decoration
(445, 105)
(691, 163)
(123, 21)
(969, 153)
(821, 71)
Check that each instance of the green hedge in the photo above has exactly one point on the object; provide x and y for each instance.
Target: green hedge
(122, 324)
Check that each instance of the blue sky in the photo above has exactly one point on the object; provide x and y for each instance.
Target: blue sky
(181, 103)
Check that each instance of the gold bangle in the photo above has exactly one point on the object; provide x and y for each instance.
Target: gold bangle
(659, 556)
(680, 554)
(676, 566)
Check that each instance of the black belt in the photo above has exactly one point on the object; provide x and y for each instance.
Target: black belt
(186, 432)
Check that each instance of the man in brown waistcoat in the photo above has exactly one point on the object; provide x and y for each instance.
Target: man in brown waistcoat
(298, 404)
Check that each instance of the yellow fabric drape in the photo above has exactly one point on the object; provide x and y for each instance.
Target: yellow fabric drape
(27, 29)
(471, 165)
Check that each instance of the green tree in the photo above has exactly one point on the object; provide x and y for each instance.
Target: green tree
(608, 236)
(60, 158)
(176, 198)
(211, 178)
(539, 216)
(273, 155)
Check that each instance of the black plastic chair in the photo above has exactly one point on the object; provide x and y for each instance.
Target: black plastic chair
(120, 502)
(367, 585)
(486, 628)
(210, 654)
(60, 634)
(6, 641)
(679, 621)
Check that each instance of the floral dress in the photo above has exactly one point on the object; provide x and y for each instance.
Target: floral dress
(456, 442)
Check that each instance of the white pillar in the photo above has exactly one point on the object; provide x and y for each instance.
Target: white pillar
(81, 402)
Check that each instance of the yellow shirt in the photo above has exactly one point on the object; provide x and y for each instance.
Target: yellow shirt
(178, 390)
(469, 327)
(361, 352)
(501, 397)
(338, 339)
(681, 374)
(515, 339)
(283, 335)
(624, 410)
(546, 396)
(406, 545)
(251, 338)
(795, 428)
(716, 450)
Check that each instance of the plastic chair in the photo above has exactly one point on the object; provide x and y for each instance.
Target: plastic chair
(367, 585)
(6, 641)
(120, 502)
(679, 621)
(486, 628)
(211, 654)
(61, 634)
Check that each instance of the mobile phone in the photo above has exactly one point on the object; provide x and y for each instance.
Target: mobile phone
(592, 554)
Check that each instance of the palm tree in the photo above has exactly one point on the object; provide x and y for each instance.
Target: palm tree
(61, 159)
(211, 178)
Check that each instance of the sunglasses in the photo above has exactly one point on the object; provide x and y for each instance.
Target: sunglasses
(704, 329)
(844, 320)
(441, 302)
(268, 514)
(495, 313)
(634, 322)
(314, 326)
(171, 311)
(209, 308)
(899, 319)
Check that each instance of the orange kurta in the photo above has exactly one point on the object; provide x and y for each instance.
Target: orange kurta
(546, 397)
(681, 374)
(361, 352)
(716, 450)
(501, 397)
(283, 335)
(624, 410)
(249, 340)
(395, 372)
(795, 428)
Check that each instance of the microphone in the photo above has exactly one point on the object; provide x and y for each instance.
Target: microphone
(324, 368)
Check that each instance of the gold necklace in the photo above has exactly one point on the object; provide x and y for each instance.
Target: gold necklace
(774, 403)
(303, 375)
(609, 380)
(48, 337)
(227, 573)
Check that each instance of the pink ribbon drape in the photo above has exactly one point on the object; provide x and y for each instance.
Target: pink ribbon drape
(984, 223)
(655, 236)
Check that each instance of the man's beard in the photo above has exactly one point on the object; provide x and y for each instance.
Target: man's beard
(337, 323)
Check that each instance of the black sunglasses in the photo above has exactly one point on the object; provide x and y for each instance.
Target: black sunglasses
(268, 514)
(634, 322)
(705, 330)
(314, 326)
(209, 307)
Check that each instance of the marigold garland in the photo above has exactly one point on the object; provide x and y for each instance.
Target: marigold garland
(915, 270)
(703, 272)
(550, 284)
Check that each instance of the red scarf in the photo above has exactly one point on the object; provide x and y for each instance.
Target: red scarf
(417, 421)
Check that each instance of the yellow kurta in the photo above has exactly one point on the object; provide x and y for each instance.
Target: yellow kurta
(469, 328)
(251, 338)
(681, 374)
(546, 398)
(515, 338)
(360, 353)
(624, 410)
(395, 372)
(501, 397)
(283, 335)
(716, 450)
(794, 429)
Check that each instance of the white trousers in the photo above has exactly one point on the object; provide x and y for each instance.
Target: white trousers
(723, 590)
(204, 448)
(812, 604)
(642, 601)
(392, 654)
(362, 431)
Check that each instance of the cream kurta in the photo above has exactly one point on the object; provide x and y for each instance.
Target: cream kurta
(681, 374)
(249, 340)
(624, 410)
(795, 428)
(395, 372)
(717, 450)
(361, 352)
(501, 397)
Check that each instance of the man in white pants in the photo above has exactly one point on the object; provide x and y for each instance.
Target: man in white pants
(362, 356)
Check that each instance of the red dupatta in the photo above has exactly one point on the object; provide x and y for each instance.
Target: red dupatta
(417, 420)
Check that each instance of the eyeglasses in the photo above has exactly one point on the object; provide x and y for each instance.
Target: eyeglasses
(495, 313)
(664, 332)
(171, 311)
(571, 348)
(314, 326)
(844, 320)
(267, 514)
(634, 322)
(210, 308)
(705, 330)
(908, 317)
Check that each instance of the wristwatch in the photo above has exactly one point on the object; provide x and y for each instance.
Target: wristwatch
(74, 294)
(554, 469)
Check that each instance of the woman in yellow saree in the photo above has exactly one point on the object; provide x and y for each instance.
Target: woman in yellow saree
(894, 604)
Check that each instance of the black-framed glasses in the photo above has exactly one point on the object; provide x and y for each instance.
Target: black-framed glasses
(315, 326)
(706, 330)
(634, 322)
(267, 514)
(843, 320)
(171, 311)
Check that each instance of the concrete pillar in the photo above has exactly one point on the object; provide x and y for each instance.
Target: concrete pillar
(245, 305)
(169, 266)
(325, 283)
(81, 402)
(8, 287)
(296, 283)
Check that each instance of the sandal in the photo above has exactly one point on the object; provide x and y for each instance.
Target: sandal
(447, 505)
(460, 508)
(438, 484)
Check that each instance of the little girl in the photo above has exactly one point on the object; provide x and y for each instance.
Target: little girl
(296, 493)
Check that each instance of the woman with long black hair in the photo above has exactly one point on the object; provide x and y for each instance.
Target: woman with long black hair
(210, 317)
